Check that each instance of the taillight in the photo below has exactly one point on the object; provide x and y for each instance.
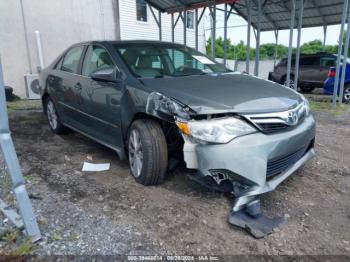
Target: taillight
(331, 73)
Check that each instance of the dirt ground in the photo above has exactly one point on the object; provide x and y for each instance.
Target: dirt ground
(108, 213)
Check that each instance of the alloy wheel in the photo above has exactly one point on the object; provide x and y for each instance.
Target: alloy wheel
(52, 115)
(347, 94)
(135, 153)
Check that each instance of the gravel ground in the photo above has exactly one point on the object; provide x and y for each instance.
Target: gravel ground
(108, 213)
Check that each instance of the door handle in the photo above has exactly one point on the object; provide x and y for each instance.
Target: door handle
(78, 86)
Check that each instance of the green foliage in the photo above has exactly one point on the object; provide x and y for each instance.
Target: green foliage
(10, 236)
(25, 249)
(312, 47)
(267, 51)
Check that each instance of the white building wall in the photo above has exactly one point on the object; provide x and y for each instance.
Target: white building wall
(65, 22)
(61, 24)
(131, 29)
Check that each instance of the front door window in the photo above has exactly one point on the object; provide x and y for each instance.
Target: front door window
(96, 58)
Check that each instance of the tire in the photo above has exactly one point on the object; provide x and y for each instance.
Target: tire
(284, 81)
(307, 89)
(53, 118)
(147, 151)
(346, 95)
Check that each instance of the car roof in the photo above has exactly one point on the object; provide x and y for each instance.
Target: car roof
(126, 42)
(311, 55)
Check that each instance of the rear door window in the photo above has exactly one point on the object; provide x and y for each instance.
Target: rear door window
(71, 60)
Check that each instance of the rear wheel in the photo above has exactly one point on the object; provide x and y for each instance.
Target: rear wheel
(52, 116)
(346, 96)
(148, 153)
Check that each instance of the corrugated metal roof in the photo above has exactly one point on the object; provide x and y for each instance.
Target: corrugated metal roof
(276, 14)
(171, 6)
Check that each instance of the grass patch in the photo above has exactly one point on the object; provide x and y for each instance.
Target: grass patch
(25, 249)
(23, 104)
(15, 248)
(10, 236)
(56, 236)
(340, 110)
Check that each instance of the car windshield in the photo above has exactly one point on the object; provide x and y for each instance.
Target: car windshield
(166, 61)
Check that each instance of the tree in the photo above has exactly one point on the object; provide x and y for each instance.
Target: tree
(312, 47)
(267, 51)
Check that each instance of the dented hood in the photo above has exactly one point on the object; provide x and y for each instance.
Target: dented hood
(232, 92)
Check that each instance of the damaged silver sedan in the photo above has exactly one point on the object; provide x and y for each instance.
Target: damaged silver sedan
(159, 104)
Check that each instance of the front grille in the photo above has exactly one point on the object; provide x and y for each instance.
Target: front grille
(273, 127)
(279, 121)
(277, 166)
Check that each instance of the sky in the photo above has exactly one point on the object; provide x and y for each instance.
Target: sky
(238, 32)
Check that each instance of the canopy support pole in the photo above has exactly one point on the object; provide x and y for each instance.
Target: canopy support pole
(225, 34)
(290, 47)
(345, 55)
(197, 22)
(14, 170)
(185, 26)
(158, 21)
(173, 25)
(212, 10)
(172, 28)
(324, 37)
(276, 47)
(226, 17)
(247, 60)
(297, 57)
(196, 28)
(336, 81)
(160, 25)
(257, 51)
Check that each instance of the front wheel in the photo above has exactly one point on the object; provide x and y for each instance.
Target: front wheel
(307, 89)
(289, 84)
(148, 153)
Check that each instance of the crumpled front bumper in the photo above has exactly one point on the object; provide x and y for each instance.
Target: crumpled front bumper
(247, 157)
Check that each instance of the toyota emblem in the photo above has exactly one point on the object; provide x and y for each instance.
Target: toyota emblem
(292, 118)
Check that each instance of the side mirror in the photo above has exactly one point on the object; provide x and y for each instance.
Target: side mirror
(107, 75)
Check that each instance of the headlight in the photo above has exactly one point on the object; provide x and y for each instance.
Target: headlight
(215, 130)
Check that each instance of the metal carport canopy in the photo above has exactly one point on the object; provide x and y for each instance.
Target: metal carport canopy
(267, 15)
(276, 14)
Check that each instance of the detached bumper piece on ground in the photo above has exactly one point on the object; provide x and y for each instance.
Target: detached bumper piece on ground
(251, 219)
